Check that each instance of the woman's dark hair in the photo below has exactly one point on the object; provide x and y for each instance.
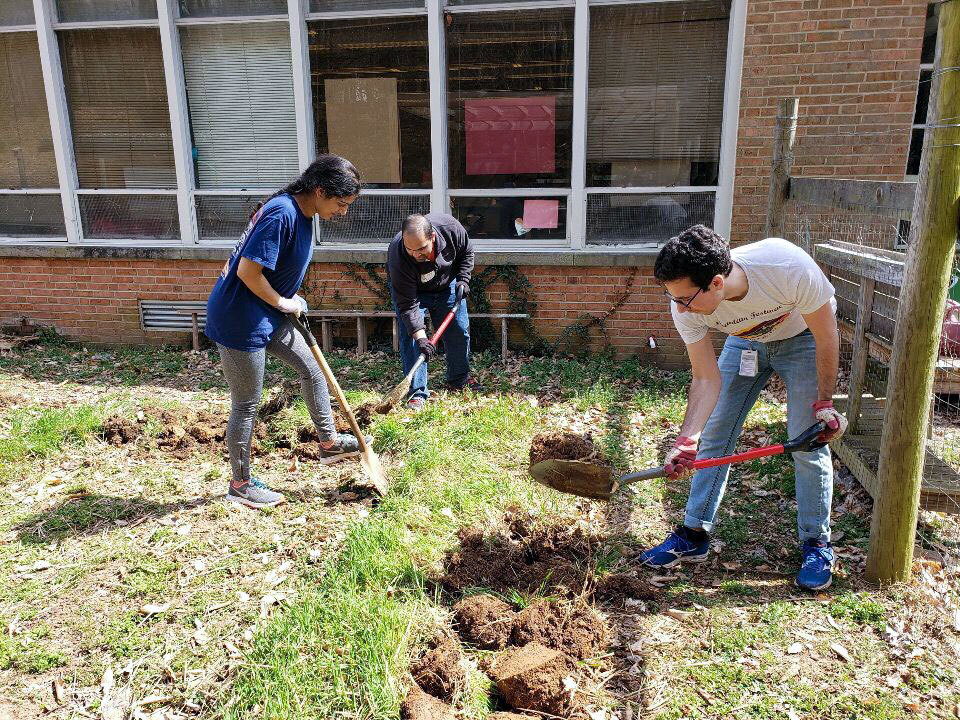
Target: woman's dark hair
(336, 176)
(697, 253)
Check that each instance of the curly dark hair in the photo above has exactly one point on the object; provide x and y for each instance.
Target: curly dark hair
(697, 253)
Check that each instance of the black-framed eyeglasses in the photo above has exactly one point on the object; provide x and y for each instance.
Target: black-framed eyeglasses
(685, 303)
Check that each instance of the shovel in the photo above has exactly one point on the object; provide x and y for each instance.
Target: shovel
(401, 390)
(368, 458)
(595, 481)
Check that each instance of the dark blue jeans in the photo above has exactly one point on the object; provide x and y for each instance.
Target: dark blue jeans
(456, 339)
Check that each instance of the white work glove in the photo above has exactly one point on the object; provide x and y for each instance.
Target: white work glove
(678, 463)
(295, 305)
(836, 423)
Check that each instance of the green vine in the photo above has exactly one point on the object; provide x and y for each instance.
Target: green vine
(575, 338)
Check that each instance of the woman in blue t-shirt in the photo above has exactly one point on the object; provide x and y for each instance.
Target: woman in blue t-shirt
(248, 307)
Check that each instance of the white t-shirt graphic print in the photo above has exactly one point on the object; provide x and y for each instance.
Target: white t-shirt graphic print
(784, 283)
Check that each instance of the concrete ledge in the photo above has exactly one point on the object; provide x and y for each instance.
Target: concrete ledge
(643, 257)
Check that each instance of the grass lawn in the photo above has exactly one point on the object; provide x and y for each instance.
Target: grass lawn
(130, 589)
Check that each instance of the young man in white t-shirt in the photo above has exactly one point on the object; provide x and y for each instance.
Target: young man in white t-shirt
(777, 308)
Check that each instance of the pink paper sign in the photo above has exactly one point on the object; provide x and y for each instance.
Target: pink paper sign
(540, 213)
(506, 136)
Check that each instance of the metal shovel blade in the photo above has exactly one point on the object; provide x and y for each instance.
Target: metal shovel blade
(575, 477)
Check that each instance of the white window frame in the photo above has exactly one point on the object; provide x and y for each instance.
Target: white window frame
(298, 13)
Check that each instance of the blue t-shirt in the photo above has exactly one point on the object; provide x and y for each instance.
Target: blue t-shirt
(279, 237)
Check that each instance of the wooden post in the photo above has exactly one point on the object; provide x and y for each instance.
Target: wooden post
(861, 352)
(196, 331)
(361, 335)
(504, 334)
(933, 238)
(396, 337)
(326, 334)
(781, 165)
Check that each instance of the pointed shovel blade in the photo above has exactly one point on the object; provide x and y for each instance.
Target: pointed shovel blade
(574, 478)
(371, 466)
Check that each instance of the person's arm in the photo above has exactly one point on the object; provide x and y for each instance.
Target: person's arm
(405, 296)
(823, 327)
(466, 261)
(704, 389)
(251, 273)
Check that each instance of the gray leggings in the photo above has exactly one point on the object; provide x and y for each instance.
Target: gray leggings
(244, 373)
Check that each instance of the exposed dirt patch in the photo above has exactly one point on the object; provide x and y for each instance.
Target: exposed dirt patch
(564, 446)
(579, 632)
(485, 621)
(439, 671)
(281, 398)
(620, 587)
(119, 431)
(531, 678)
(418, 705)
(186, 431)
(510, 716)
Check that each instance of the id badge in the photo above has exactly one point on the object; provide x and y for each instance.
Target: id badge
(427, 277)
(748, 363)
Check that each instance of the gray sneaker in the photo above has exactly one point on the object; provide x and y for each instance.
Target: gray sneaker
(254, 494)
(346, 446)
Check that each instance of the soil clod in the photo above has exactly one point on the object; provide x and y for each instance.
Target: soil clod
(439, 671)
(119, 431)
(419, 705)
(531, 678)
(578, 632)
(484, 620)
(564, 446)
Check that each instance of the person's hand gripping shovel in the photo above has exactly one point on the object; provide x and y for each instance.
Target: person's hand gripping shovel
(585, 479)
(368, 458)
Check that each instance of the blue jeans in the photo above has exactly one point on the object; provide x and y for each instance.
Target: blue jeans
(794, 360)
(456, 339)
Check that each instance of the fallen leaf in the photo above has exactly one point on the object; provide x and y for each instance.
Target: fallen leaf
(841, 651)
(198, 565)
(152, 609)
(201, 637)
(598, 715)
(730, 565)
(299, 520)
(679, 614)
(795, 648)
(59, 696)
(41, 565)
(294, 465)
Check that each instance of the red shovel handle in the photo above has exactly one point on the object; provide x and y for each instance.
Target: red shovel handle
(443, 326)
(739, 457)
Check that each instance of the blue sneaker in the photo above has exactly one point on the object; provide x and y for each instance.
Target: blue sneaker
(816, 573)
(677, 548)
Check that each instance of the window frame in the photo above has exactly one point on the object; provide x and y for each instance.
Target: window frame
(298, 13)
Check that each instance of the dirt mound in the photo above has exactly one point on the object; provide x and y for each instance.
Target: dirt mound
(563, 446)
(484, 620)
(119, 431)
(510, 716)
(188, 430)
(531, 678)
(418, 705)
(620, 587)
(439, 671)
(279, 400)
(578, 632)
(547, 560)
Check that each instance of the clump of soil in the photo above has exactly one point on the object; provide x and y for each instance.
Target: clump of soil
(531, 678)
(578, 632)
(484, 620)
(119, 431)
(439, 671)
(564, 446)
(188, 430)
(280, 400)
(418, 705)
(620, 586)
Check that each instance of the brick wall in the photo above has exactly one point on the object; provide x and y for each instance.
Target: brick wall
(854, 65)
(96, 300)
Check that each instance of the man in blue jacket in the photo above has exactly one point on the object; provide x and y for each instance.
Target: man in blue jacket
(429, 264)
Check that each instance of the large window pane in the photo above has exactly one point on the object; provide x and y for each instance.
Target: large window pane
(16, 12)
(373, 219)
(26, 147)
(240, 96)
(371, 96)
(223, 217)
(624, 219)
(655, 105)
(129, 217)
(88, 10)
(118, 108)
(510, 91)
(31, 216)
(228, 8)
(504, 218)
(319, 6)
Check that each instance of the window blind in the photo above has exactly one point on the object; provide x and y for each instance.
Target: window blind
(26, 145)
(117, 101)
(16, 12)
(240, 94)
(92, 10)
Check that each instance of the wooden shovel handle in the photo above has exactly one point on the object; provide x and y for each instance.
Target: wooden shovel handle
(304, 329)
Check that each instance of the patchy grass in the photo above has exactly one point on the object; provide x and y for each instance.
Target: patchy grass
(126, 559)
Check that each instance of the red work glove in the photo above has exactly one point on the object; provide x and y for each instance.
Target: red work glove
(836, 423)
(679, 461)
